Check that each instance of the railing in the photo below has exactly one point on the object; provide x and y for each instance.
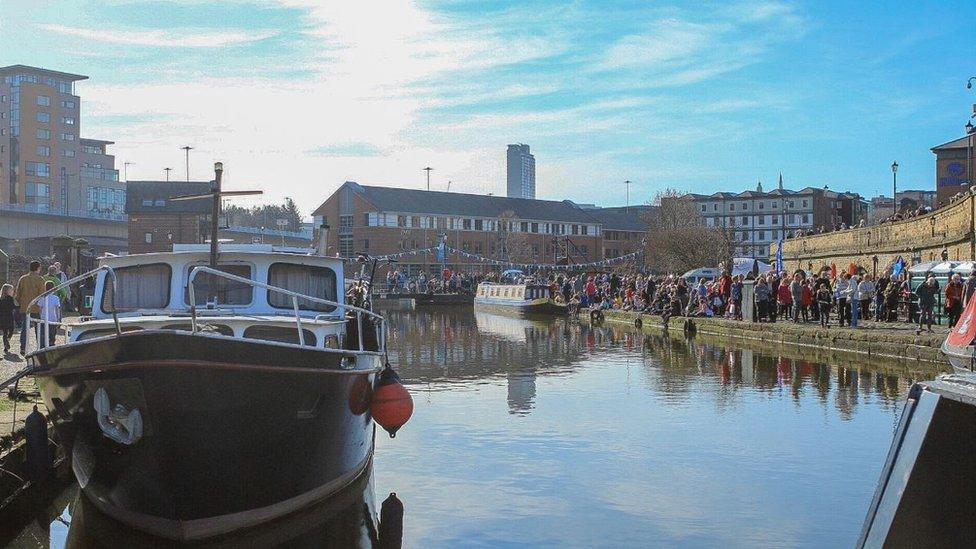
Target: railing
(47, 209)
(42, 335)
(295, 296)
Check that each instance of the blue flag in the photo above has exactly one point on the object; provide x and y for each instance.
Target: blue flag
(779, 256)
(897, 267)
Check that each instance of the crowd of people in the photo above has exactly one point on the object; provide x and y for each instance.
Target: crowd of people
(844, 298)
(448, 281)
(44, 316)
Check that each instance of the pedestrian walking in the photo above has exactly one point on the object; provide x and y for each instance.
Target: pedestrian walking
(7, 310)
(29, 287)
(953, 299)
(49, 314)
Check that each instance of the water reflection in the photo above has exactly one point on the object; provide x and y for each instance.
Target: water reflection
(347, 520)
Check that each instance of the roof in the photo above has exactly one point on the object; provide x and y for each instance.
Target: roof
(95, 141)
(393, 199)
(16, 69)
(139, 195)
(961, 143)
(623, 218)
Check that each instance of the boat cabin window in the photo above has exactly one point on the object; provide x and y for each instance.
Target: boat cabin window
(208, 287)
(202, 327)
(279, 334)
(310, 280)
(139, 287)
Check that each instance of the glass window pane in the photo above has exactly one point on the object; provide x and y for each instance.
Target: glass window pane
(139, 287)
(310, 280)
(208, 287)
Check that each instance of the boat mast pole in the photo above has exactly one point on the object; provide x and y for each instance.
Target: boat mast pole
(215, 212)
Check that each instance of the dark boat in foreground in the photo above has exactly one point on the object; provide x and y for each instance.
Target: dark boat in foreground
(927, 491)
(198, 401)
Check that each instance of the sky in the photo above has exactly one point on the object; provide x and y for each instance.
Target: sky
(297, 96)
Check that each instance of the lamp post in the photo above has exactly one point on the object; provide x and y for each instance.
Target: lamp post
(969, 155)
(125, 169)
(627, 207)
(167, 170)
(187, 149)
(428, 169)
(894, 188)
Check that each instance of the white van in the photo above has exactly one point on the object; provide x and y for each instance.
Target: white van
(709, 274)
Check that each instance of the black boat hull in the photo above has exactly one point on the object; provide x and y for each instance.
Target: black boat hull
(234, 432)
(522, 308)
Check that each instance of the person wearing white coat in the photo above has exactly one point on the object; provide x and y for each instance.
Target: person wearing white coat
(865, 292)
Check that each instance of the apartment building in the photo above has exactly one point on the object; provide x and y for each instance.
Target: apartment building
(756, 219)
(45, 165)
(520, 171)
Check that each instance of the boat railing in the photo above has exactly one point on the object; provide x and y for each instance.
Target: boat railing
(295, 296)
(43, 326)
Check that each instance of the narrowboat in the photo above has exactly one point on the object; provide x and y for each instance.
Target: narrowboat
(959, 346)
(197, 401)
(521, 299)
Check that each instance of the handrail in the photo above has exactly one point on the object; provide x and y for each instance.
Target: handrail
(66, 284)
(295, 296)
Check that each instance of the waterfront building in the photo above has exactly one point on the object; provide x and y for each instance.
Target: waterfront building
(52, 180)
(624, 227)
(881, 207)
(156, 222)
(388, 220)
(521, 172)
(756, 220)
(953, 161)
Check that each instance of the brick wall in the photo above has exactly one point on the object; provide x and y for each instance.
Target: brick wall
(166, 229)
(925, 237)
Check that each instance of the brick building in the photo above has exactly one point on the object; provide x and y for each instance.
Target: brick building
(953, 164)
(385, 220)
(624, 228)
(156, 223)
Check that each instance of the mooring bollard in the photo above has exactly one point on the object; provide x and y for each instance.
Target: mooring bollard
(38, 456)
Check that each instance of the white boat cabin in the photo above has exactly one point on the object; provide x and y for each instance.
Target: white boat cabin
(153, 293)
(491, 291)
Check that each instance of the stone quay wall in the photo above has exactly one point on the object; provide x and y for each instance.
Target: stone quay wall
(923, 238)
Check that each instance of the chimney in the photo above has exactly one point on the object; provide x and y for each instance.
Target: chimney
(323, 243)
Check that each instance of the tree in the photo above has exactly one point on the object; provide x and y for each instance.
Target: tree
(266, 215)
(513, 245)
(678, 239)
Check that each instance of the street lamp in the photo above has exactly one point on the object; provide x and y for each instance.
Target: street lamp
(894, 188)
(969, 155)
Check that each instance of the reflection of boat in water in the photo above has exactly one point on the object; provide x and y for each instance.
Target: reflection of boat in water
(523, 299)
(512, 329)
(347, 519)
(927, 491)
(200, 401)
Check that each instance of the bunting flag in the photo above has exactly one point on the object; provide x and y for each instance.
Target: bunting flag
(525, 266)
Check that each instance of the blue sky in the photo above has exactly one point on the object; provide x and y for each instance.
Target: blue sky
(297, 96)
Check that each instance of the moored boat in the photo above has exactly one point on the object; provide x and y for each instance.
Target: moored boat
(960, 345)
(523, 299)
(197, 401)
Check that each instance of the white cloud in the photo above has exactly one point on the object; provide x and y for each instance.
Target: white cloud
(162, 38)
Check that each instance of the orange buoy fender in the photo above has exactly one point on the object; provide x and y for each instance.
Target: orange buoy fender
(391, 405)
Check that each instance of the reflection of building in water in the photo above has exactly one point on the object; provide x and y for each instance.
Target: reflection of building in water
(521, 391)
(441, 345)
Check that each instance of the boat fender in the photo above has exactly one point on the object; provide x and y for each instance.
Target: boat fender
(391, 522)
(391, 405)
(38, 454)
(117, 422)
(638, 322)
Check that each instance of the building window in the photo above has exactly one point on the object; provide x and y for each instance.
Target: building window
(148, 237)
(401, 221)
(745, 220)
(69, 120)
(479, 225)
(762, 235)
(345, 246)
(39, 169)
(703, 207)
(67, 137)
(732, 207)
(466, 224)
(106, 200)
(43, 134)
(44, 100)
(68, 153)
(791, 203)
(43, 116)
(762, 205)
(804, 203)
(68, 104)
(38, 194)
(745, 205)
(43, 150)
(345, 223)
(806, 218)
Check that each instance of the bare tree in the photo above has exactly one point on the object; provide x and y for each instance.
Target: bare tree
(513, 244)
(678, 239)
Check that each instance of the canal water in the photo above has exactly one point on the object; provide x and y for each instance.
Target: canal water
(551, 433)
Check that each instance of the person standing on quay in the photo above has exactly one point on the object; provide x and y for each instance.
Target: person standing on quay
(953, 299)
(926, 293)
(29, 286)
(841, 293)
(969, 288)
(796, 295)
(50, 315)
(853, 290)
(879, 296)
(824, 298)
(7, 322)
(865, 292)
